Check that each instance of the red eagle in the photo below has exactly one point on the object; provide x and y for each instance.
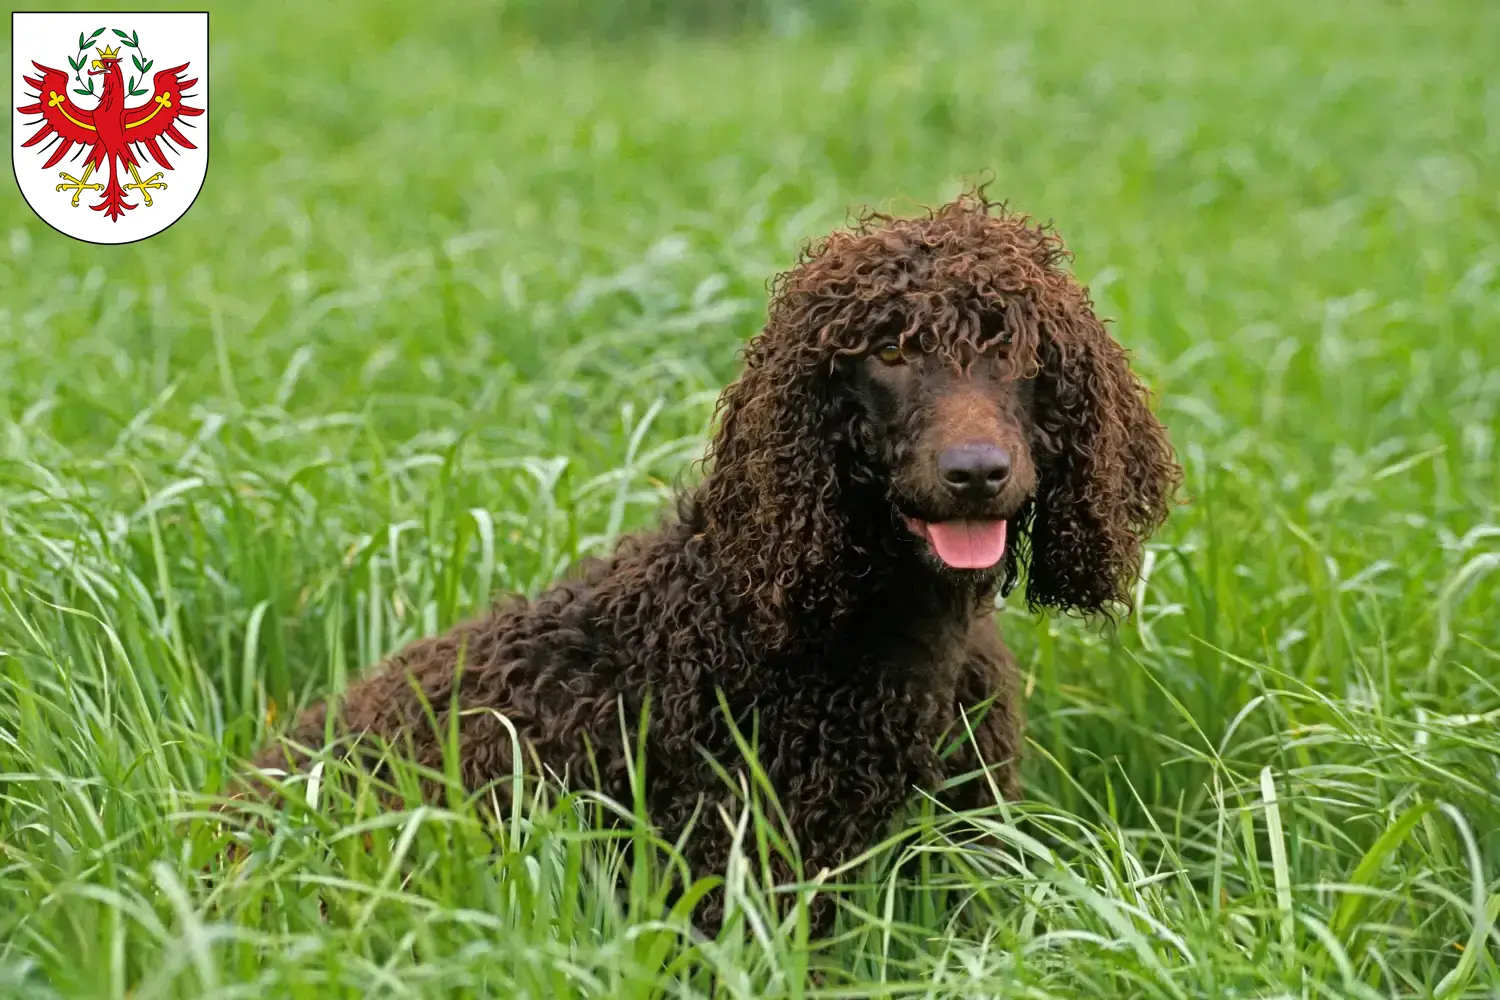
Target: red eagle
(111, 129)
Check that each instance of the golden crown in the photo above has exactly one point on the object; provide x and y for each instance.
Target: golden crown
(108, 53)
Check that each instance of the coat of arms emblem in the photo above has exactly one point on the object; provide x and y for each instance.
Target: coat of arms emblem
(109, 132)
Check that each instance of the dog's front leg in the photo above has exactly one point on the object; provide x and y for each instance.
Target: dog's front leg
(988, 723)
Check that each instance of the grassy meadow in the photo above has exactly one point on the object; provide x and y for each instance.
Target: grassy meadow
(452, 311)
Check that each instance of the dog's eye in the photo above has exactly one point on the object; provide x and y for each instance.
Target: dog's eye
(890, 354)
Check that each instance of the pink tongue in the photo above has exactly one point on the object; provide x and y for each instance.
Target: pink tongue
(968, 544)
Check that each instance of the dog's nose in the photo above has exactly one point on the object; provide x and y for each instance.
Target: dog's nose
(974, 471)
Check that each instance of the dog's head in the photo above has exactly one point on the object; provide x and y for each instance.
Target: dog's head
(936, 393)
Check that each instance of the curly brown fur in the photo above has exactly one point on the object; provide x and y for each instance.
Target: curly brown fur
(812, 578)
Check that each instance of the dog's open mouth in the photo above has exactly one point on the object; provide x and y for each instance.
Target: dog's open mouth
(964, 543)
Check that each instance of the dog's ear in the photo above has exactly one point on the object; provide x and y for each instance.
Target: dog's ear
(1108, 473)
(771, 502)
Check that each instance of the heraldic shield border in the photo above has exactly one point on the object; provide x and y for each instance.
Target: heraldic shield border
(131, 170)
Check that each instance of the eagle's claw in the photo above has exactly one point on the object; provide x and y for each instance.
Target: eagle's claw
(76, 185)
(145, 186)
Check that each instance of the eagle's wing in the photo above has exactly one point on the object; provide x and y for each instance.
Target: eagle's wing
(60, 116)
(158, 117)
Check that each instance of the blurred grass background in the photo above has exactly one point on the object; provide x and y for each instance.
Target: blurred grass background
(452, 310)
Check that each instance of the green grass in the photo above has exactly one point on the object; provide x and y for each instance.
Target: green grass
(451, 312)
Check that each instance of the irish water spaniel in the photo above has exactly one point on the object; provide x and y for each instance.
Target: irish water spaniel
(931, 410)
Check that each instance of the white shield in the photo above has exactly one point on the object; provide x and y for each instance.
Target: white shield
(109, 120)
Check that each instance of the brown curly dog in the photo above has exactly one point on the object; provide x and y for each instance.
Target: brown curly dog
(931, 409)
